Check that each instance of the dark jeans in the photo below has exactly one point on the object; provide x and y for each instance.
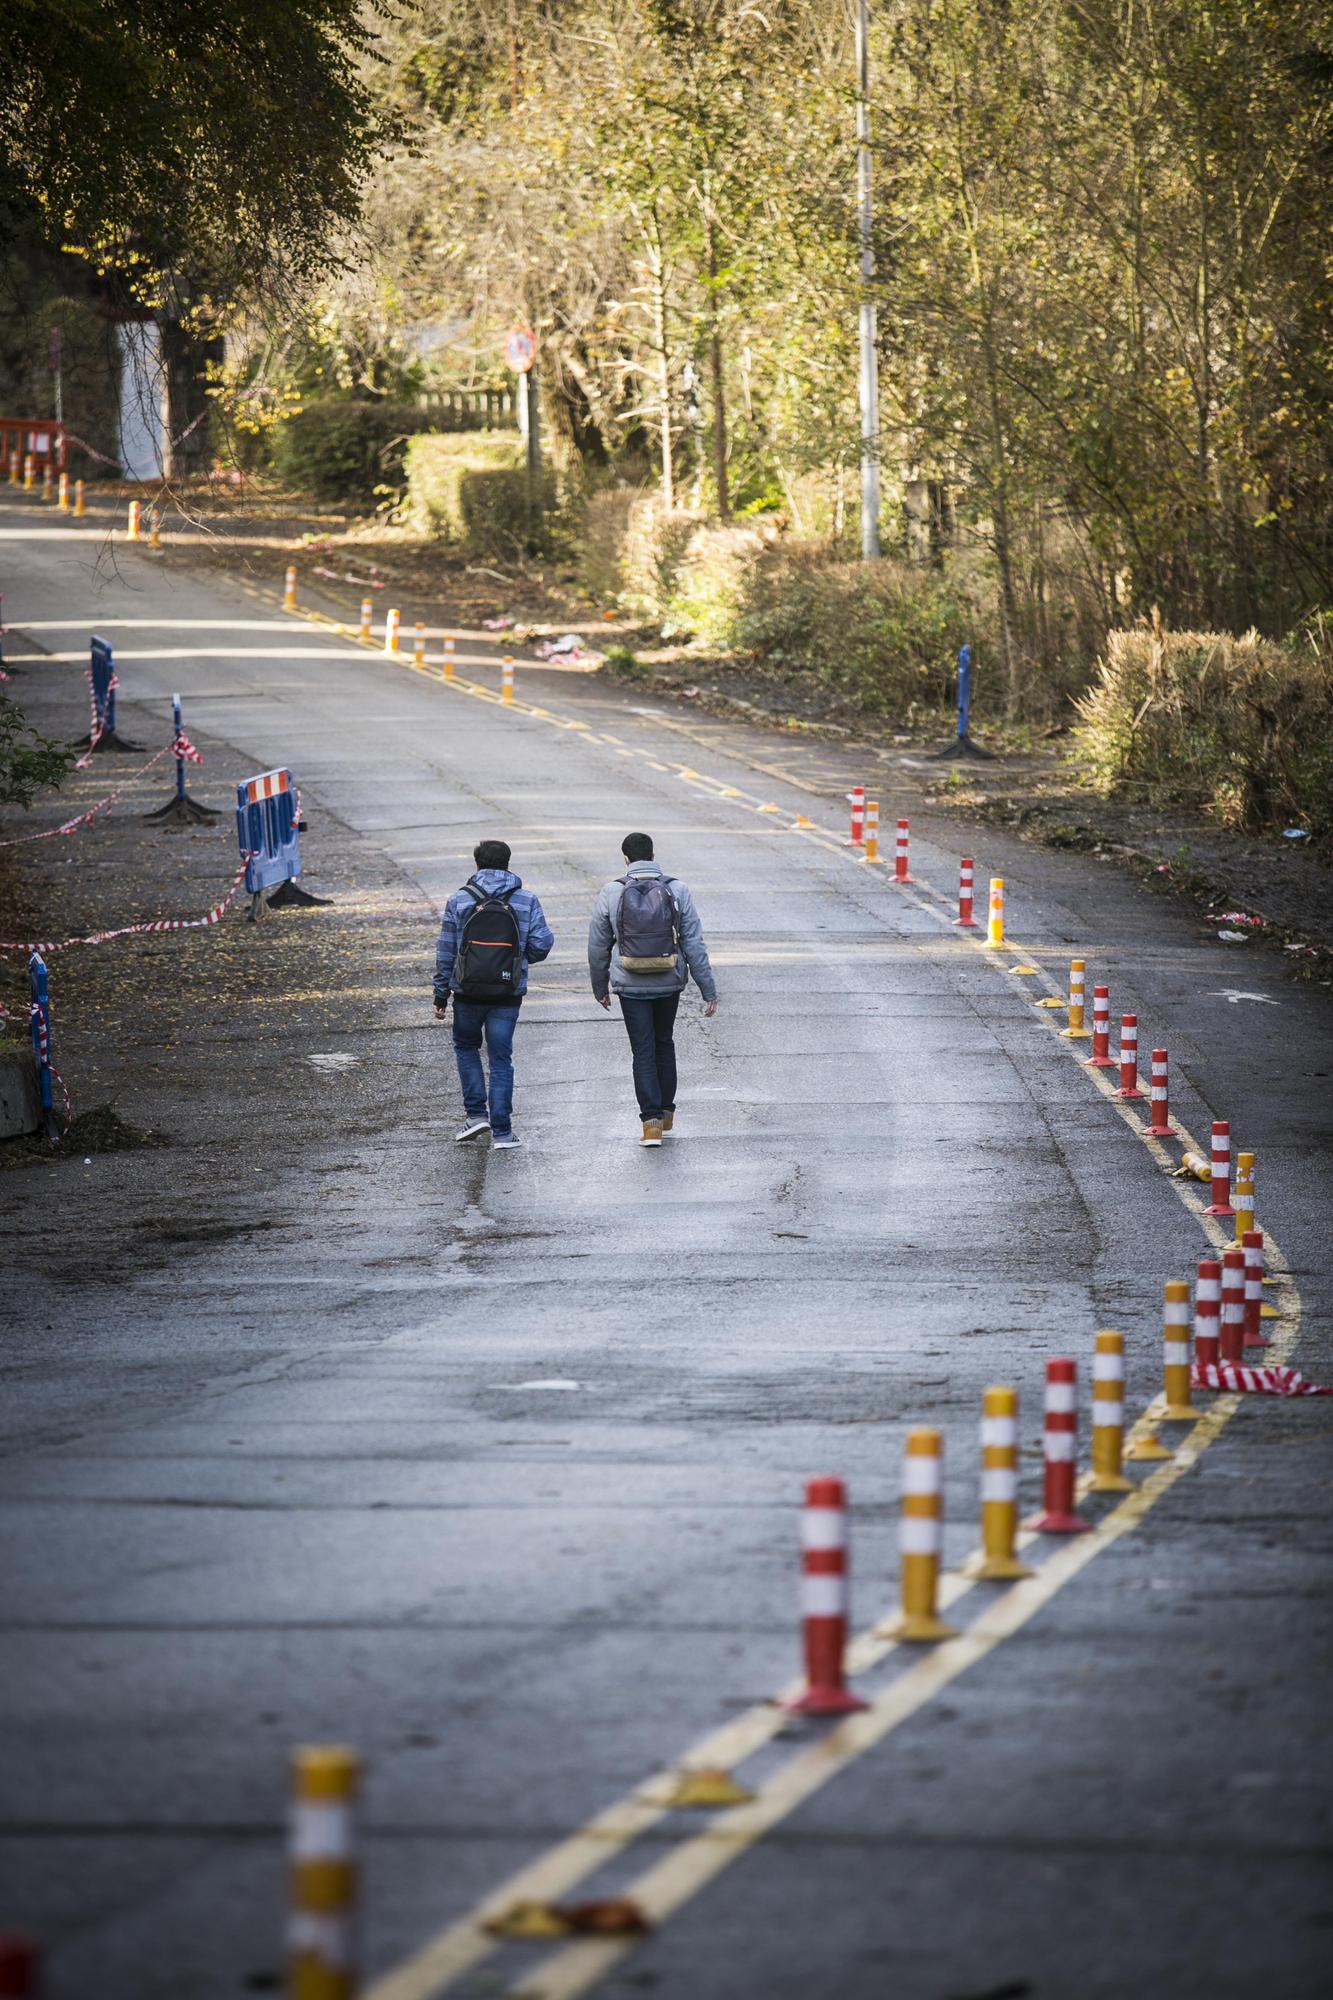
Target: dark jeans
(496, 1020)
(649, 1024)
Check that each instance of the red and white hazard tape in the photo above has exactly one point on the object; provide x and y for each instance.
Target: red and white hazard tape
(180, 746)
(97, 726)
(213, 916)
(69, 826)
(36, 1015)
(1253, 1381)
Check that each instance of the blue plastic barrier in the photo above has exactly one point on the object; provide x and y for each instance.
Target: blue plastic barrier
(266, 830)
(964, 690)
(40, 1018)
(104, 685)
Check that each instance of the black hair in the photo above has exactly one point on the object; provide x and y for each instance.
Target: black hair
(491, 854)
(637, 847)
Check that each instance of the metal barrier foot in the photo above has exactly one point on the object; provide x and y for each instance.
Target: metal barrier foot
(288, 897)
(183, 811)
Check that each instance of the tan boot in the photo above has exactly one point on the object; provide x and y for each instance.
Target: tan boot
(668, 1120)
(652, 1132)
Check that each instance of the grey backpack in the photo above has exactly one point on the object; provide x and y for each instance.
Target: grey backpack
(647, 924)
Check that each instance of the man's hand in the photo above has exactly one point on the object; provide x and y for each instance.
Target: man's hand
(441, 1009)
(605, 1001)
(710, 1010)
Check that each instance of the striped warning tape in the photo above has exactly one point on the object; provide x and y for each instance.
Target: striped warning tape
(43, 1036)
(212, 916)
(179, 746)
(67, 826)
(1255, 1381)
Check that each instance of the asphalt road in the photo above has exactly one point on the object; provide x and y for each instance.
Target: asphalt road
(495, 1472)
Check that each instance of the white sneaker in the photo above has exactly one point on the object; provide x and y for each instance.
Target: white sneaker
(504, 1140)
(470, 1128)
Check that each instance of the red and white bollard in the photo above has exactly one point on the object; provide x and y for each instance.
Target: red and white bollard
(824, 1593)
(1059, 1442)
(1253, 1248)
(1101, 1029)
(392, 621)
(856, 799)
(1232, 1335)
(1161, 1127)
(1207, 1313)
(1221, 1175)
(1129, 1056)
(900, 873)
(965, 918)
(289, 589)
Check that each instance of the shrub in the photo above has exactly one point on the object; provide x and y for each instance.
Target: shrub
(472, 487)
(1239, 728)
(345, 450)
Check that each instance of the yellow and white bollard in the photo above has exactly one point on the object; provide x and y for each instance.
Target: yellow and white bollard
(392, 620)
(367, 610)
(133, 525)
(920, 1539)
(29, 471)
(995, 920)
(80, 503)
(1176, 1341)
(322, 1940)
(1108, 1415)
(870, 850)
(154, 528)
(999, 1487)
(289, 589)
(1076, 1031)
(48, 481)
(62, 493)
(1242, 1195)
(448, 656)
(419, 647)
(15, 473)
(507, 679)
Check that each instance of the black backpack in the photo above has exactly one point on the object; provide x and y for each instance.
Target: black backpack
(489, 960)
(647, 924)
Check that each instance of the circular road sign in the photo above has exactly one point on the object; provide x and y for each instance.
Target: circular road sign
(520, 348)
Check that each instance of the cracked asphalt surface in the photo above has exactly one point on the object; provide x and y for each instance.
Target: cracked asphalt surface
(491, 1466)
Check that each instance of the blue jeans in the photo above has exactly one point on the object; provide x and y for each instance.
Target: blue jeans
(650, 1025)
(496, 1020)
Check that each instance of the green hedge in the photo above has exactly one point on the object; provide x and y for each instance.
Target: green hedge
(345, 450)
(471, 487)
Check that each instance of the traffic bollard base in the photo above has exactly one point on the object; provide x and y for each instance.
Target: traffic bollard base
(1099, 1062)
(825, 1701)
(288, 897)
(1140, 1453)
(109, 740)
(1220, 1208)
(1136, 1092)
(1159, 1131)
(916, 1628)
(183, 811)
(1181, 1413)
(1059, 1524)
(1075, 1035)
(997, 1569)
(1111, 1482)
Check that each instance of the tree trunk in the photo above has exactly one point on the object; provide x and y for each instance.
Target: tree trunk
(663, 374)
(715, 370)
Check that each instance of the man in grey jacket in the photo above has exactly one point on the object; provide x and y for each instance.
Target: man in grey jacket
(648, 1000)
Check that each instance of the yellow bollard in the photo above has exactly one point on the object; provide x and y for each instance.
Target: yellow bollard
(871, 847)
(14, 474)
(48, 481)
(1108, 1415)
(1176, 1332)
(154, 529)
(507, 679)
(289, 589)
(29, 472)
(325, 1878)
(448, 656)
(995, 923)
(392, 620)
(920, 1537)
(1076, 1031)
(999, 1487)
(134, 521)
(419, 647)
(1242, 1195)
(80, 506)
(367, 609)
(62, 493)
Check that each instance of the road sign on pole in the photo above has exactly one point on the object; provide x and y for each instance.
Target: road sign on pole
(520, 348)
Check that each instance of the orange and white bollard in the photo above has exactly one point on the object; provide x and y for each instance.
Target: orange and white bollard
(323, 1944)
(856, 799)
(920, 1541)
(507, 679)
(1208, 1313)
(48, 480)
(154, 528)
(871, 853)
(1242, 1195)
(1108, 1414)
(1101, 1029)
(1059, 1443)
(824, 1601)
(29, 472)
(1161, 1126)
(1221, 1170)
(448, 656)
(14, 470)
(392, 621)
(289, 589)
(62, 493)
(999, 1487)
(965, 919)
(1176, 1353)
(133, 522)
(1076, 1030)
(1232, 1334)
(995, 916)
(1253, 1247)
(80, 501)
(367, 613)
(419, 647)
(900, 853)
(1129, 1056)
